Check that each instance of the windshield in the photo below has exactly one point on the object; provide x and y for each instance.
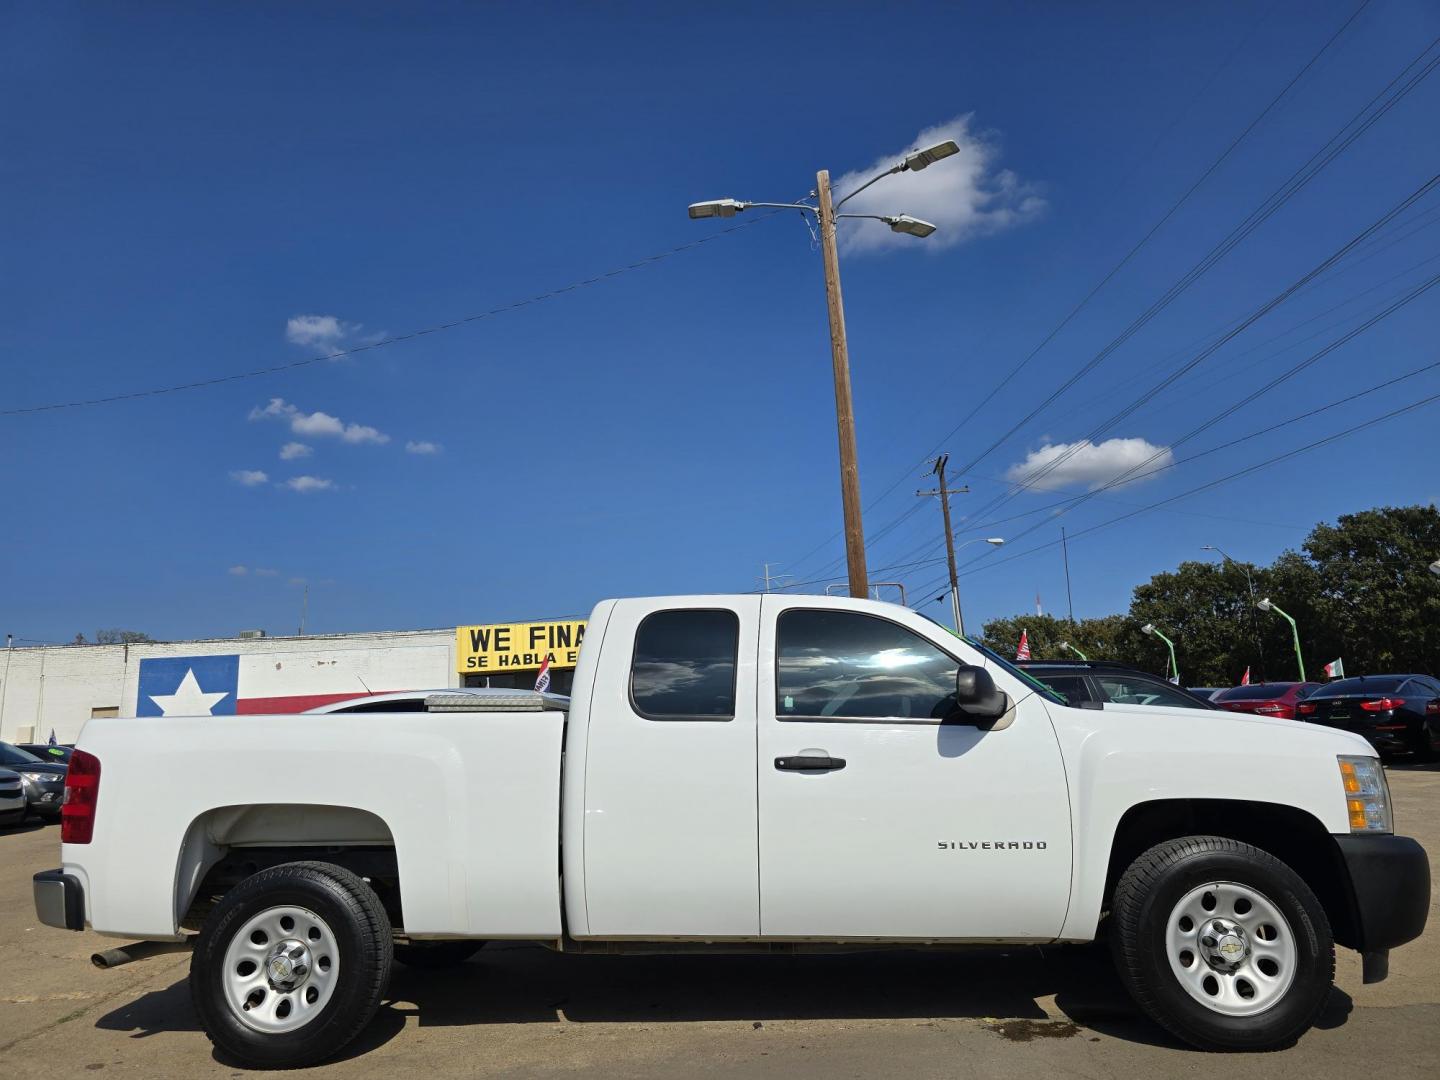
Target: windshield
(990, 654)
(13, 755)
(1375, 684)
(52, 754)
(1254, 692)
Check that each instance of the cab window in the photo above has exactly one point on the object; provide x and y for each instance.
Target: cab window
(684, 665)
(844, 665)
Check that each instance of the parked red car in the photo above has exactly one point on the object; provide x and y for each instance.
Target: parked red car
(1265, 699)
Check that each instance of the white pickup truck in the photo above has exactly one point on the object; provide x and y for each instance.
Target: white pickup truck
(748, 772)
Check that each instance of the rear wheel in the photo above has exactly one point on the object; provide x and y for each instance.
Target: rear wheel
(1222, 944)
(291, 964)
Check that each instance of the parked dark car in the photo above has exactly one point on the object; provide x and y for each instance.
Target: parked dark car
(1266, 699)
(44, 781)
(56, 753)
(12, 798)
(1078, 681)
(1399, 714)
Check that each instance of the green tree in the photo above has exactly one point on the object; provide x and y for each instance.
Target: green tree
(120, 637)
(1375, 597)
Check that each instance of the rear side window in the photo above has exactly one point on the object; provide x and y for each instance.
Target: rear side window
(684, 666)
(1070, 687)
(1380, 684)
(1130, 690)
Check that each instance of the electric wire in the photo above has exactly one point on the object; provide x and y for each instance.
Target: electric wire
(274, 369)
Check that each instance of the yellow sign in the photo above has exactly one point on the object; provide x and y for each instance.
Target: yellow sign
(517, 646)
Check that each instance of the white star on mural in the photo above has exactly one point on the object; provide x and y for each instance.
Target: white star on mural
(188, 699)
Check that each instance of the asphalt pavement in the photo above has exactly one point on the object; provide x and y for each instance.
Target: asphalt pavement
(525, 1011)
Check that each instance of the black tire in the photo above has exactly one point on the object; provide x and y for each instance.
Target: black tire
(362, 932)
(433, 955)
(1144, 899)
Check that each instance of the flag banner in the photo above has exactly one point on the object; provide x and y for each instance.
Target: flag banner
(542, 680)
(1335, 669)
(230, 684)
(1022, 652)
(53, 741)
(1245, 679)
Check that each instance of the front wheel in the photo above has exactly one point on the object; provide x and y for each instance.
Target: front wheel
(291, 964)
(1222, 944)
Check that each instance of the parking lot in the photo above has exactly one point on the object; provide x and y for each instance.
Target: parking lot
(530, 1012)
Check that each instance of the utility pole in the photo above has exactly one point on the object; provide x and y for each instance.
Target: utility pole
(825, 215)
(944, 493)
(769, 578)
(844, 410)
(304, 608)
(1069, 600)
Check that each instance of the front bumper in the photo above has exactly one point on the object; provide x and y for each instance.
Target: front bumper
(45, 799)
(1389, 879)
(59, 899)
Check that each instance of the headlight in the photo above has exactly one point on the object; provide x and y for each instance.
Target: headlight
(1367, 795)
(38, 777)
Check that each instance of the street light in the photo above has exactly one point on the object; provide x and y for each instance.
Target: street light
(1269, 605)
(1250, 583)
(1071, 648)
(825, 217)
(1149, 628)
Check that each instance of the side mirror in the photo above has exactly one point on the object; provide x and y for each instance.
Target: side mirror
(976, 698)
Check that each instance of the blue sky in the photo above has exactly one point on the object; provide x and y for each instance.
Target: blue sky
(195, 191)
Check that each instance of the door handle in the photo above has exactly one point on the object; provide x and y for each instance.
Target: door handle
(809, 763)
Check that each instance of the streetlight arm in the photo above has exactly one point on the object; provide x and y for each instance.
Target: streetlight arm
(873, 180)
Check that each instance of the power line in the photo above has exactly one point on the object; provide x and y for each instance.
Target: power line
(641, 264)
(1050, 466)
(1317, 162)
(1333, 437)
(1269, 428)
(1134, 250)
(1278, 198)
(1234, 143)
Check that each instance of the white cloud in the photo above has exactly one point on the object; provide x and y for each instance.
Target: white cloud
(292, 450)
(307, 484)
(249, 477)
(238, 571)
(319, 331)
(1091, 464)
(363, 433)
(965, 195)
(317, 423)
(422, 447)
(265, 571)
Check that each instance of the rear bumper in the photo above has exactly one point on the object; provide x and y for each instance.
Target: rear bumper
(59, 899)
(1389, 880)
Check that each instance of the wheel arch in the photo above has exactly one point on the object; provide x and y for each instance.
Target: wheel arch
(226, 844)
(1292, 835)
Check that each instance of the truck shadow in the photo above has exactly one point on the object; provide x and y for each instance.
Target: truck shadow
(516, 984)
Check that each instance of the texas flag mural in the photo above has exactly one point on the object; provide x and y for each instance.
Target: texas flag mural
(229, 683)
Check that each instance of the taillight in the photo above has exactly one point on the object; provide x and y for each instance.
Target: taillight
(1432, 708)
(1382, 704)
(82, 791)
(1305, 708)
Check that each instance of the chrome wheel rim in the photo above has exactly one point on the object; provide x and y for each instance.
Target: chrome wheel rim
(281, 969)
(1231, 948)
